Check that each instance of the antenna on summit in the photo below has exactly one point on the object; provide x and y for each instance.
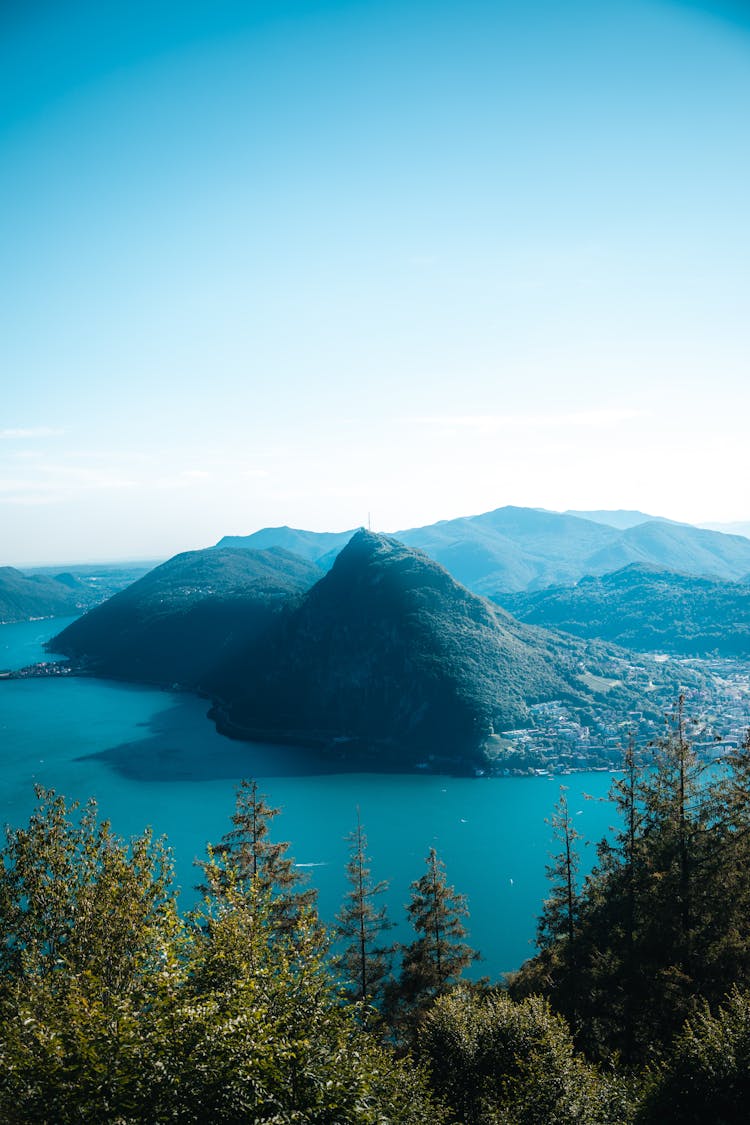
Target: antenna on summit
(369, 524)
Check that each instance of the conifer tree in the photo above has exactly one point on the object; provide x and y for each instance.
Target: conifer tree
(365, 962)
(438, 955)
(559, 914)
(247, 856)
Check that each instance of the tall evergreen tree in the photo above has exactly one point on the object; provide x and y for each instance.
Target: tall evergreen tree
(655, 929)
(560, 911)
(437, 957)
(247, 856)
(365, 962)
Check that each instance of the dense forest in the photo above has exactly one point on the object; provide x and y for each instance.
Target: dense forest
(115, 1006)
(646, 609)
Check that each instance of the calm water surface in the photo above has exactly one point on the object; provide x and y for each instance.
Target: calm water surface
(152, 758)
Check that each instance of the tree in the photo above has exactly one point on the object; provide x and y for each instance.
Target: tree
(706, 1075)
(74, 899)
(90, 931)
(113, 1011)
(661, 922)
(559, 914)
(365, 963)
(437, 957)
(493, 1060)
(249, 854)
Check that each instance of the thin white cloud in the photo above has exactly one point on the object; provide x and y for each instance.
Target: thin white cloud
(58, 483)
(493, 423)
(183, 479)
(23, 434)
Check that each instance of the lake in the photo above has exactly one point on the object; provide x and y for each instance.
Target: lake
(151, 757)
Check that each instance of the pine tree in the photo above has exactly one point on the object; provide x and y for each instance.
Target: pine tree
(364, 963)
(559, 914)
(438, 956)
(246, 856)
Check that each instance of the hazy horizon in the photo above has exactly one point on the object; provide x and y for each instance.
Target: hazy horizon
(307, 261)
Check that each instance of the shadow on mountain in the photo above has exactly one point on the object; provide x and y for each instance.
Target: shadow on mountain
(181, 744)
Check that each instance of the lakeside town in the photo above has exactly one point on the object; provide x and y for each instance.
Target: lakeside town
(717, 708)
(558, 740)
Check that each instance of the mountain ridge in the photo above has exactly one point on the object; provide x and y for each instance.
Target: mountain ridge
(385, 661)
(645, 608)
(511, 549)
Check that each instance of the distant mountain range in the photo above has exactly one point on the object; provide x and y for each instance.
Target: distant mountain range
(620, 518)
(646, 609)
(385, 660)
(44, 592)
(23, 596)
(737, 528)
(514, 549)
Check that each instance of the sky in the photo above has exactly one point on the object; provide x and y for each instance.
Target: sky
(324, 263)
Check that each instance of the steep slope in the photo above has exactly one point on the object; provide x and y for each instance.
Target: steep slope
(177, 621)
(23, 596)
(645, 609)
(390, 657)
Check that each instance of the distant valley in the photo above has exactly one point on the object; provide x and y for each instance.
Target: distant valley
(45, 592)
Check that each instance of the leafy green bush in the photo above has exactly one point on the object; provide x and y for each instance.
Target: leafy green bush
(494, 1060)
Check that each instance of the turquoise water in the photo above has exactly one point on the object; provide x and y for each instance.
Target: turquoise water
(23, 643)
(152, 758)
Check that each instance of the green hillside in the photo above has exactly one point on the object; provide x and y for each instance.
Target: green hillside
(390, 659)
(646, 609)
(181, 618)
(23, 596)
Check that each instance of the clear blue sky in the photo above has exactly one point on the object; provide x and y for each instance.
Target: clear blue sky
(279, 262)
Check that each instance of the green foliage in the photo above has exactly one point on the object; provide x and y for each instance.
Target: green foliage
(246, 858)
(434, 961)
(113, 1010)
(365, 963)
(706, 1075)
(646, 609)
(493, 1060)
(661, 922)
(76, 901)
(559, 915)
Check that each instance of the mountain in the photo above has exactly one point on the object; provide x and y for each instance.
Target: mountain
(175, 623)
(510, 548)
(741, 527)
(23, 596)
(393, 661)
(311, 545)
(513, 549)
(385, 661)
(646, 609)
(620, 518)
